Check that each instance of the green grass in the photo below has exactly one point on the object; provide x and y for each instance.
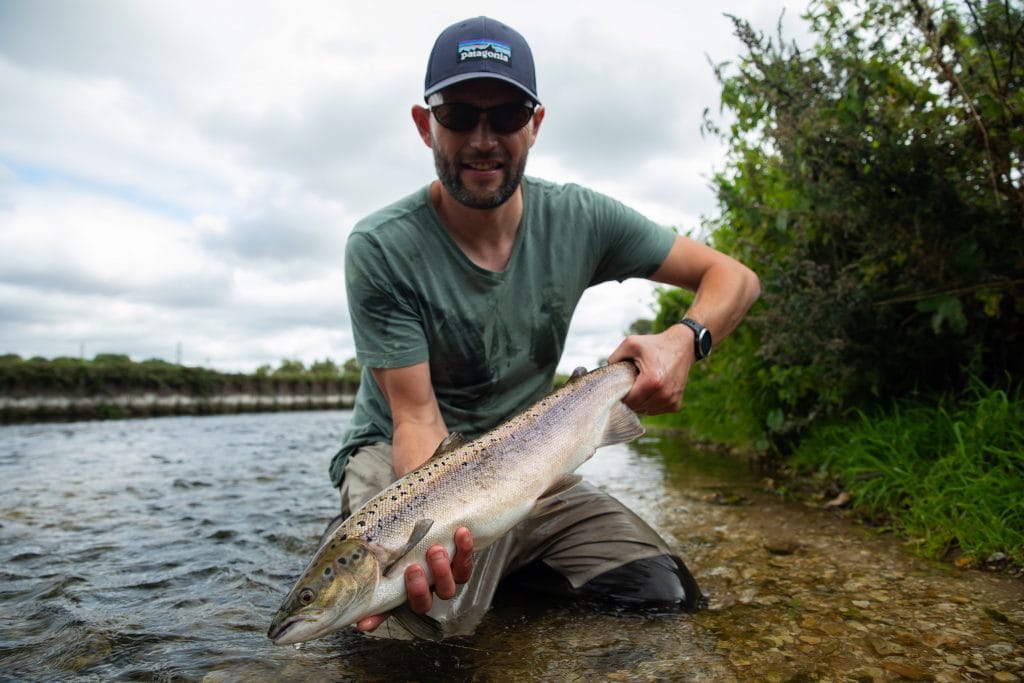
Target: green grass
(949, 475)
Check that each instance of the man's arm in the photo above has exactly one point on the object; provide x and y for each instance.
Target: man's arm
(418, 425)
(725, 290)
(418, 429)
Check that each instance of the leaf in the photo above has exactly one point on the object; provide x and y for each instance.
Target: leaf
(945, 310)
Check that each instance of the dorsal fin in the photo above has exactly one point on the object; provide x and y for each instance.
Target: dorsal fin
(451, 442)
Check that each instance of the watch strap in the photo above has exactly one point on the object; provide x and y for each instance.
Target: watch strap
(701, 338)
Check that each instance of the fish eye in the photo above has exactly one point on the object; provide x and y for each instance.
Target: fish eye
(306, 596)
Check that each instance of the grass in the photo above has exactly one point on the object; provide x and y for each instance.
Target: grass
(949, 475)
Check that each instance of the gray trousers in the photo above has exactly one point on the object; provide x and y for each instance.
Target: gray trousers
(590, 535)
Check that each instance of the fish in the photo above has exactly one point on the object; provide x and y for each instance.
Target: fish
(489, 484)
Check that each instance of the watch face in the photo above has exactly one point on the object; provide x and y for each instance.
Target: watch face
(701, 338)
(704, 339)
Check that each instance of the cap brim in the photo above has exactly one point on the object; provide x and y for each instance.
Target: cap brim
(473, 76)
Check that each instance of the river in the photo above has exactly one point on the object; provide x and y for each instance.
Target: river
(159, 549)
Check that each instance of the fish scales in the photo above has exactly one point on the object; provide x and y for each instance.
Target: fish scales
(488, 484)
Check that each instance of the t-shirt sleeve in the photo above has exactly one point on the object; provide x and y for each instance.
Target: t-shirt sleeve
(632, 245)
(386, 322)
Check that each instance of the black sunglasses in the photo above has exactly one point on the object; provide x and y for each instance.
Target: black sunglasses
(503, 118)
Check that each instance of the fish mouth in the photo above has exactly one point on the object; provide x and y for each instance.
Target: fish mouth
(279, 633)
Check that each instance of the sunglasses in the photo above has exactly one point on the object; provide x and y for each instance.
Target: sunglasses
(503, 118)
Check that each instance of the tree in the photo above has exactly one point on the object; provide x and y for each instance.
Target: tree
(874, 183)
(325, 369)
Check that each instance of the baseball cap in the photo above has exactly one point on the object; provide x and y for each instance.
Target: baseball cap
(480, 48)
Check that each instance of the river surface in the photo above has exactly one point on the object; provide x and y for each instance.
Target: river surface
(159, 549)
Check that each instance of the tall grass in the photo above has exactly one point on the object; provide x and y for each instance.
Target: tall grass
(949, 475)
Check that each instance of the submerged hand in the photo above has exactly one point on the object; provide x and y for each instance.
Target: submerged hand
(447, 575)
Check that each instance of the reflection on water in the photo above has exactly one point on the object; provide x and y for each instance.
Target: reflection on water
(160, 548)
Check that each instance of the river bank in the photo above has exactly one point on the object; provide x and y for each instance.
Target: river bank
(46, 408)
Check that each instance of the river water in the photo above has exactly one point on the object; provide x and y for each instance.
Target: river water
(159, 549)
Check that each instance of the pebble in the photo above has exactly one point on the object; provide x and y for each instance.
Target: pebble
(885, 648)
(906, 670)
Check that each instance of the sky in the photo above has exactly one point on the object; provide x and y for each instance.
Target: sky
(177, 179)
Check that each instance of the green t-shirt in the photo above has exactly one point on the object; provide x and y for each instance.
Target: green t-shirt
(493, 340)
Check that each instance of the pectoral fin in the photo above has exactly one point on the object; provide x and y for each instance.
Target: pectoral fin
(418, 532)
(419, 625)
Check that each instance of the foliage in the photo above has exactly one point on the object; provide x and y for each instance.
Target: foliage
(949, 474)
(717, 405)
(108, 374)
(874, 182)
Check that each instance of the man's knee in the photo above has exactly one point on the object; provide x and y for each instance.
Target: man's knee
(659, 580)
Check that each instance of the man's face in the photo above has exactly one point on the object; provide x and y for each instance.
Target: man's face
(481, 169)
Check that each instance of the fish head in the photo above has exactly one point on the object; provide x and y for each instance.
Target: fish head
(333, 592)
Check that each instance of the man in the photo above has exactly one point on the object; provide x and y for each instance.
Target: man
(461, 296)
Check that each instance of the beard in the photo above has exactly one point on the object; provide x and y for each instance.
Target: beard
(448, 173)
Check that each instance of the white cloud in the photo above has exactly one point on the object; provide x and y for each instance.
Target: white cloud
(186, 173)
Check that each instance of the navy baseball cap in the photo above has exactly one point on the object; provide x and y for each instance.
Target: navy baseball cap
(480, 48)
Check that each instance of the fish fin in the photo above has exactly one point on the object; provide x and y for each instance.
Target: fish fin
(451, 442)
(420, 625)
(623, 425)
(418, 532)
(576, 374)
(545, 506)
(547, 502)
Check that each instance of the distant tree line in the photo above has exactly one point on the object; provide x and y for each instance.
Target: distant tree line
(110, 373)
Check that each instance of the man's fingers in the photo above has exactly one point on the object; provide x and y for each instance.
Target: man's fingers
(462, 563)
(372, 622)
(417, 588)
(444, 583)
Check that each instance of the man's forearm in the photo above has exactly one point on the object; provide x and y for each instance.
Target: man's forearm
(413, 445)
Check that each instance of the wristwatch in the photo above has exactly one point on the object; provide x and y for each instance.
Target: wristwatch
(701, 338)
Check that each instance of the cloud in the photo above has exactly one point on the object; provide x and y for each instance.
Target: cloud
(184, 175)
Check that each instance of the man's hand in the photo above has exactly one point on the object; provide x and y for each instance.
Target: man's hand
(447, 575)
(664, 361)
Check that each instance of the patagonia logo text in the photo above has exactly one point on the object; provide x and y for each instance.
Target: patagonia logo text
(484, 49)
